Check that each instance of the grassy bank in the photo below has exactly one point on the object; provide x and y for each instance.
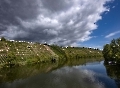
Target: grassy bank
(21, 53)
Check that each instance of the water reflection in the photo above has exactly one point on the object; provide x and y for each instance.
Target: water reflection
(62, 78)
(113, 71)
(81, 73)
(11, 74)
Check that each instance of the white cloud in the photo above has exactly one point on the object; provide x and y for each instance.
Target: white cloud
(63, 22)
(112, 34)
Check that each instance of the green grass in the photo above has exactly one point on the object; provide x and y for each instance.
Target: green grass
(58, 50)
(80, 52)
(21, 53)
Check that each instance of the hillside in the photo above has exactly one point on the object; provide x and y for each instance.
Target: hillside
(21, 52)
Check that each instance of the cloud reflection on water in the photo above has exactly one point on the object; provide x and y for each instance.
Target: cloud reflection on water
(66, 77)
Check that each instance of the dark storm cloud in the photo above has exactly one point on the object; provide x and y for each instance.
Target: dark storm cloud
(57, 5)
(24, 9)
(11, 9)
(53, 21)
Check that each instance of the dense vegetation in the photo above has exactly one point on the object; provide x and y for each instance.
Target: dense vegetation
(21, 53)
(111, 52)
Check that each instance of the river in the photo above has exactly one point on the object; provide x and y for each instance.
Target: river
(83, 73)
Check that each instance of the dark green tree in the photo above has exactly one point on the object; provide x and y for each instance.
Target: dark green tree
(107, 52)
(112, 51)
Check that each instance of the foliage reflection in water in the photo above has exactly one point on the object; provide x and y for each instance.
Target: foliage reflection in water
(81, 73)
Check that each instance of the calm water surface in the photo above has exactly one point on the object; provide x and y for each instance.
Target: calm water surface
(72, 74)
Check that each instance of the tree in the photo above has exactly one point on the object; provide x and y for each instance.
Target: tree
(107, 52)
(112, 51)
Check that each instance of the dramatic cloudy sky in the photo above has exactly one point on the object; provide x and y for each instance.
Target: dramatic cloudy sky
(89, 23)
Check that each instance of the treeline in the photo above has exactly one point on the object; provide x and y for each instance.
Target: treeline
(111, 52)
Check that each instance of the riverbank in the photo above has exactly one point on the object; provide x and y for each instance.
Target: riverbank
(22, 53)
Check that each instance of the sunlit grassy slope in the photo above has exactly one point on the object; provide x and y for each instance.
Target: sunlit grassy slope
(21, 52)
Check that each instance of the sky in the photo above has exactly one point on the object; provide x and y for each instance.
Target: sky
(89, 23)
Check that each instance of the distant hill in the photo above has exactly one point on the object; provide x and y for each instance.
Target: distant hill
(21, 52)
